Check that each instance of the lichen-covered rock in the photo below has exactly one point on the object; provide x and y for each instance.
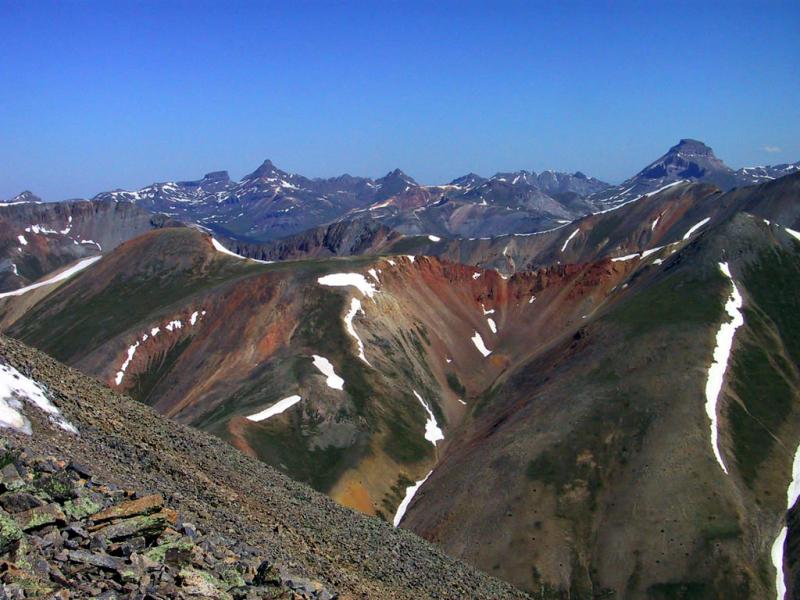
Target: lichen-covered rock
(81, 507)
(40, 516)
(131, 508)
(143, 525)
(10, 531)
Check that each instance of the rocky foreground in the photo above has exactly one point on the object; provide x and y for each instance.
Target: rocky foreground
(128, 523)
(65, 534)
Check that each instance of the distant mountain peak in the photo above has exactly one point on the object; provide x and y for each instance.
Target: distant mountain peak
(26, 196)
(691, 147)
(266, 170)
(398, 174)
(217, 176)
(468, 180)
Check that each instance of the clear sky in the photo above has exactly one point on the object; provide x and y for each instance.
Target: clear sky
(100, 95)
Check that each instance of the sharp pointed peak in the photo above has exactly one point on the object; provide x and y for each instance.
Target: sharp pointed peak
(266, 169)
(399, 174)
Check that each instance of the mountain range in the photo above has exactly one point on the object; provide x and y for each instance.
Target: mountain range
(603, 407)
(270, 203)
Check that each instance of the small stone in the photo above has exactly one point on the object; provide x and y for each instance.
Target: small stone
(201, 584)
(80, 469)
(267, 574)
(94, 559)
(18, 501)
(10, 478)
(98, 541)
(189, 530)
(178, 556)
(51, 538)
(76, 529)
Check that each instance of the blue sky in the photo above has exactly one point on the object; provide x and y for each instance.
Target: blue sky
(99, 95)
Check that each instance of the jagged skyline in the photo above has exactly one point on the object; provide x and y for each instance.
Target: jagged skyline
(102, 96)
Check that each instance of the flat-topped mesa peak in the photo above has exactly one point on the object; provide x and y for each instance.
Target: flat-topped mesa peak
(217, 177)
(689, 159)
(691, 147)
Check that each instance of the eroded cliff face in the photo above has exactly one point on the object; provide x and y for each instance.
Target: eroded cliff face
(38, 238)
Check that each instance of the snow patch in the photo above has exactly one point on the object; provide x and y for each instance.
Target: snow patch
(22, 240)
(173, 325)
(433, 432)
(326, 368)
(219, 247)
(492, 324)
(99, 247)
(664, 187)
(695, 227)
(434, 238)
(793, 233)
(647, 253)
(626, 257)
(275, 409)
(410, 491)
(355, 308)
(722, 352)
(476, 275)
(571, 235)
(478, 341)
(792, 494)
(14, 388)
(65, 274)
(121, 373)
(356, 280)
(777, 561)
